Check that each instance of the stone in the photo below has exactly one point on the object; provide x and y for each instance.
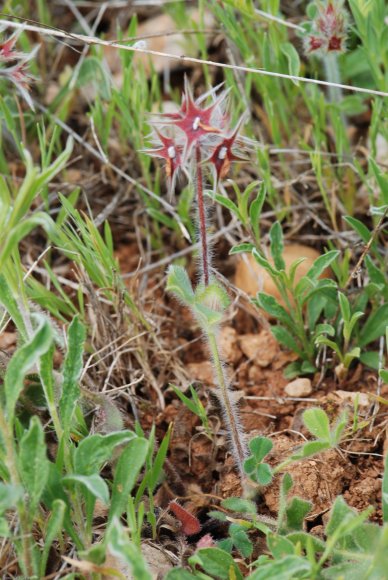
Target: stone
(227, 340)
(299, 388)
(261, 348)
(201, 372)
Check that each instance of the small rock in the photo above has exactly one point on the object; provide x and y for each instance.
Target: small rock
(299, 388)
(363, 399)
(261, 348)
(230, 350)
(201, 372)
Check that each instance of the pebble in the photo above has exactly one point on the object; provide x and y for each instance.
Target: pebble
(299, 388)
(260, 348)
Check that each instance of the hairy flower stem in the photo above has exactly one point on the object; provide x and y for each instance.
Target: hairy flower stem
(333, 75)
(201, 215)
(229, 408)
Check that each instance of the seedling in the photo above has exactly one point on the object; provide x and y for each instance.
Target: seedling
(349, 321)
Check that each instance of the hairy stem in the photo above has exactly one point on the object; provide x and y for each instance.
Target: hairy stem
(333, 75)
(232, 420)
(202, 215)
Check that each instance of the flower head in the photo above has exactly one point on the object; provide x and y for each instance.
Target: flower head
(328, 30)
(14, 66)
(200, 127)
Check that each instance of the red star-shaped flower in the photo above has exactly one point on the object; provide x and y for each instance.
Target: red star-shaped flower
(172, 153)
(223, 155)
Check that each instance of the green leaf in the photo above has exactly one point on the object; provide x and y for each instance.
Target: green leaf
(293, 59)
(72, 369)
(340, 514)
(93, 451)
(33, 463)
(241, 248)
(92, 71)
(270, 305)
(22, 229)
(296, 512)
(10, 495)
(8, 301)
(178, 282)
(344, 306)
(374, 326)
(127, 470)
(264, 263)
(260, 447)
(217, 563)
(279, 546)
(53, 530)
(161, 217)
(284, 337)
(180, 574)
(241, 540)
(232, 207)
(311, 448)
(22, 361)
(120, 546)
(255, 210)
(359, 227)
(277, 246)
(321, 263)
(371, 359)
(288, 568)
(381, 179)
(317, 422)
(263, 474)
(238, 504)
(92, 483)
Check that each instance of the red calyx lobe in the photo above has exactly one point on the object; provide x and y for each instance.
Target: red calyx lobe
(169, 151)
(190, 524)
(222, 156)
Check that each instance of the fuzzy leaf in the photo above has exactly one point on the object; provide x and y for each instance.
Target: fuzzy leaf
(22, 361)
(53, 530)
(33, 463)
(311, 448)
(296, 512)
(293, 59)
(277, 246)
(270, 305)
(9, 496)
(127, 470)
(93, 451)
(260, 447)
(287, 568)
(92, 483)
(374, 326)
(72, 369)
(321, 263)
(238, 504)
(317, 422)
(241, 248)
(217, 563)
(279, 546)
(178, 282)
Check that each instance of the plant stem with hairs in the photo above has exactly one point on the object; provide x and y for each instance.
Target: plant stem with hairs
(194, 136)
(202, 215)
